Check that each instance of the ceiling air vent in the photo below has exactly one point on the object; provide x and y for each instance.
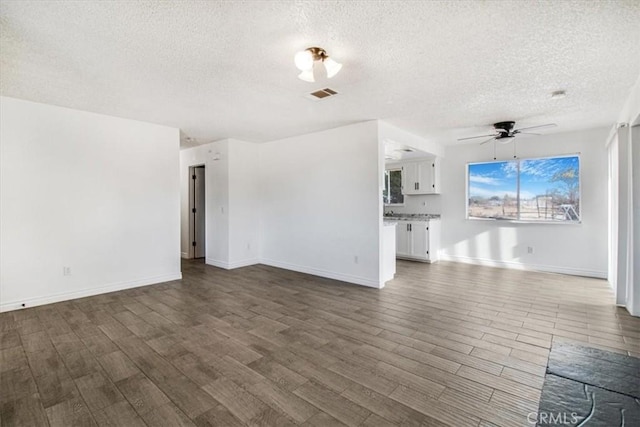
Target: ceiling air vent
(321, 94)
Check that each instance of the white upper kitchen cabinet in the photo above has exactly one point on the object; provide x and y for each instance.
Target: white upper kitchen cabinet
(421, 177)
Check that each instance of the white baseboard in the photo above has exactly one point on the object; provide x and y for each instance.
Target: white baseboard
(244, 263)
(522, 266)
(301, 269)
(217, 263)
(112, 287)
(323, 273)
(232, 265)
(184, 255)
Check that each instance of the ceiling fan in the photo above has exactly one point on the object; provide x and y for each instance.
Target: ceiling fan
(505, 132)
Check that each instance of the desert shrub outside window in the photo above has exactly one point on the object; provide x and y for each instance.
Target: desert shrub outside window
(392, 193)
(545, 189)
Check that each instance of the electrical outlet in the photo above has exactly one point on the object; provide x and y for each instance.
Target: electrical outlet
(66, 271)
(529, 249)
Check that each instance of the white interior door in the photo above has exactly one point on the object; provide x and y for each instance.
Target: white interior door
(198, 212)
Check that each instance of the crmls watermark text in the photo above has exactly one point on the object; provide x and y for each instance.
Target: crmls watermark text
(552, 418)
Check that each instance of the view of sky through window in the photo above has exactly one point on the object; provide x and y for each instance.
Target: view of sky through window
(549, 189)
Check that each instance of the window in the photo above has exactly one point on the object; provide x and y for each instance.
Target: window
(392, 194)
(543, 189)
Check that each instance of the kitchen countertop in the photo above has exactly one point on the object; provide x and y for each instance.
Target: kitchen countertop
(410, 217)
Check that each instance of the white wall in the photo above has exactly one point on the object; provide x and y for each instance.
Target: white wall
(627, 223)
(633, 286)
(573, 249)
(391, 133)
(321, 203)
(419, 204)
(94, 193)
(232, 201)
(244, 203)
(215, 158)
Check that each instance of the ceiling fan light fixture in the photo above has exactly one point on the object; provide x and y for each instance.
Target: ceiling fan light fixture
(332, 67)
(505, 139)
(306, 59)
(307, 76)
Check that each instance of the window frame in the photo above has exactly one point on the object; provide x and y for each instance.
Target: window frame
(387, 184)
(518, 186)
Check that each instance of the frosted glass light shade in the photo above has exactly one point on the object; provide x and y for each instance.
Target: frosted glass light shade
(505, 139)
(304, 60)
(332, 67)
(307, 76)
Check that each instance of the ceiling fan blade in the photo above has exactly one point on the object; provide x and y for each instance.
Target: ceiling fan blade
(548, 125)
(479, 136)
(490, 139)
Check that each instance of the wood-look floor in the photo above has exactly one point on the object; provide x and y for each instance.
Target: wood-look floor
(443, 344)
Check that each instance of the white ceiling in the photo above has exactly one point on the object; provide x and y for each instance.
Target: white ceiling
(441, 69)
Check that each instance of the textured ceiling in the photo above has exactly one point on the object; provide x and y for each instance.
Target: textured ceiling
(225, 69)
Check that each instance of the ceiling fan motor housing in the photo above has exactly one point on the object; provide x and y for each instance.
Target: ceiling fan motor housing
(505, 129)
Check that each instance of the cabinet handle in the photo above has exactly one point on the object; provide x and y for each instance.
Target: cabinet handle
(410, 227)
(418, 184)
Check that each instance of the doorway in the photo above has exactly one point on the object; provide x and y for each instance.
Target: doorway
(197, 212)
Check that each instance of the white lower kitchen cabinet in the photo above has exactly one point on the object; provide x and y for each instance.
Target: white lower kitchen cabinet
(418, 240)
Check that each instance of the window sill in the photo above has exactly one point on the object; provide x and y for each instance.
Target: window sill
(524, 221)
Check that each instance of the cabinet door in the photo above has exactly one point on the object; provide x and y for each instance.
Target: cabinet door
(436, 175)
(434, 240)
(410, 178)
(425, 177)
(419, 239)
(403, 246)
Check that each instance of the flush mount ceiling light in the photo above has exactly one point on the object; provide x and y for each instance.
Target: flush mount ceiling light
(306, 59)
(558, 94)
